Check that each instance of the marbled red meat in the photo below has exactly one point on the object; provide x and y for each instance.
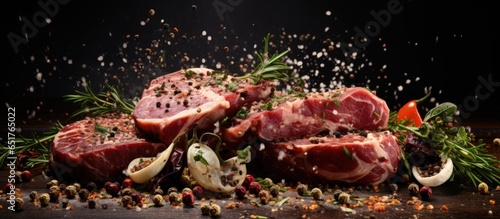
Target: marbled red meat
(82, 153)
(175, 102)
(338, 110)
(351, 159)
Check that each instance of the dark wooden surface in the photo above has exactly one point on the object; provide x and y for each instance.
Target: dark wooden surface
(463, 201)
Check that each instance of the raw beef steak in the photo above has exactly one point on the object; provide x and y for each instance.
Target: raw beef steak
(175, 102)
(98, 149)
(297, 117)
(351, 159)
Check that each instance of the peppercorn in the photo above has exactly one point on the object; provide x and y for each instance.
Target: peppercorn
(65, 202)
(136, 197)
(188, 198)
(394, 187)
(44, 199)
(91, 203)
(483, 188)
(264, 196)
(18, 204)
(83, 194)
(91, 186)
(113, 189)
(363, 133)
(158, 200)
(215, 210)
(104, 206)
(173, 198)
(126, 201)
(198, 192)
(171, 189)
(414, 189)
(77, 186)
(158, 104)
(267, 181)
(274, 191)
(33, 195)
(126, 191)
(70, 191)
(54, 193)
(127, 183)
(62, 187)
(17, 176)
(248, 179)
(336, 194)
(254, 188)
(52, 183)
(205, 209)
(8, 187)
(338, 134)
(158, 191)
(26, 176)
(425, 193)
(301, 189)
(344, 198)
(240, 191)
(316, 193)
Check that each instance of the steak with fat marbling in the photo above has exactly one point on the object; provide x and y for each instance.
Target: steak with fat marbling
(98, 149)
(175, 102)
(351, 159)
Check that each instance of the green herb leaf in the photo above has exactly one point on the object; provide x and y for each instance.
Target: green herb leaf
(347, 152)
(243, 154)
(101, 129)
(445, 111)
(199, 157)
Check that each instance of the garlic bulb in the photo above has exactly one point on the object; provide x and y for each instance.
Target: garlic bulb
(438, 179)
(213, 174)
(142, 169)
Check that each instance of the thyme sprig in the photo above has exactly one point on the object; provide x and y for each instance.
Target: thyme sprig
(38, 144)
(449, 140)
(269, 68)
(109, 101)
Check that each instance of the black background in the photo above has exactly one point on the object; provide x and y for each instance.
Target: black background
(446, 44)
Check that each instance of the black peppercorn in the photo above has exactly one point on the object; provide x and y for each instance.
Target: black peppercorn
(158, 104)
(91, 203)
(83, 194)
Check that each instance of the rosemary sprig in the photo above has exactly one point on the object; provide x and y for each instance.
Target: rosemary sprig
(471, 161)
(268, 68)
(101, 103)
(40, 145)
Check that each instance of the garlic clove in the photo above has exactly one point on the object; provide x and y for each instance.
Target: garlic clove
(212, 174)
(145, 174)
(438, 179)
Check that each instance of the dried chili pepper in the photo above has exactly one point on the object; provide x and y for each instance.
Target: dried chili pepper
(409, 112)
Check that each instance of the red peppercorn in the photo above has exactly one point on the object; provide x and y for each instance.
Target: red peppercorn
(425, 193)
(127, 183)
(136, 197)
(240, 191)
(26, 176)
(8, 187)
(254, 188)
(198, 192)
(188, 198)
(113, 189)
(248, 179)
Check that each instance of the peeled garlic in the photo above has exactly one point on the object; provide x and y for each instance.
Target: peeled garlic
(145, 174)
(211, 173)
(437, 179)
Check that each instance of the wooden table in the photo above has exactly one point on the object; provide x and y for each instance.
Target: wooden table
(462, 201)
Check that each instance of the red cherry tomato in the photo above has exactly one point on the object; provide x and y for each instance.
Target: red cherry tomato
(410, 113)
